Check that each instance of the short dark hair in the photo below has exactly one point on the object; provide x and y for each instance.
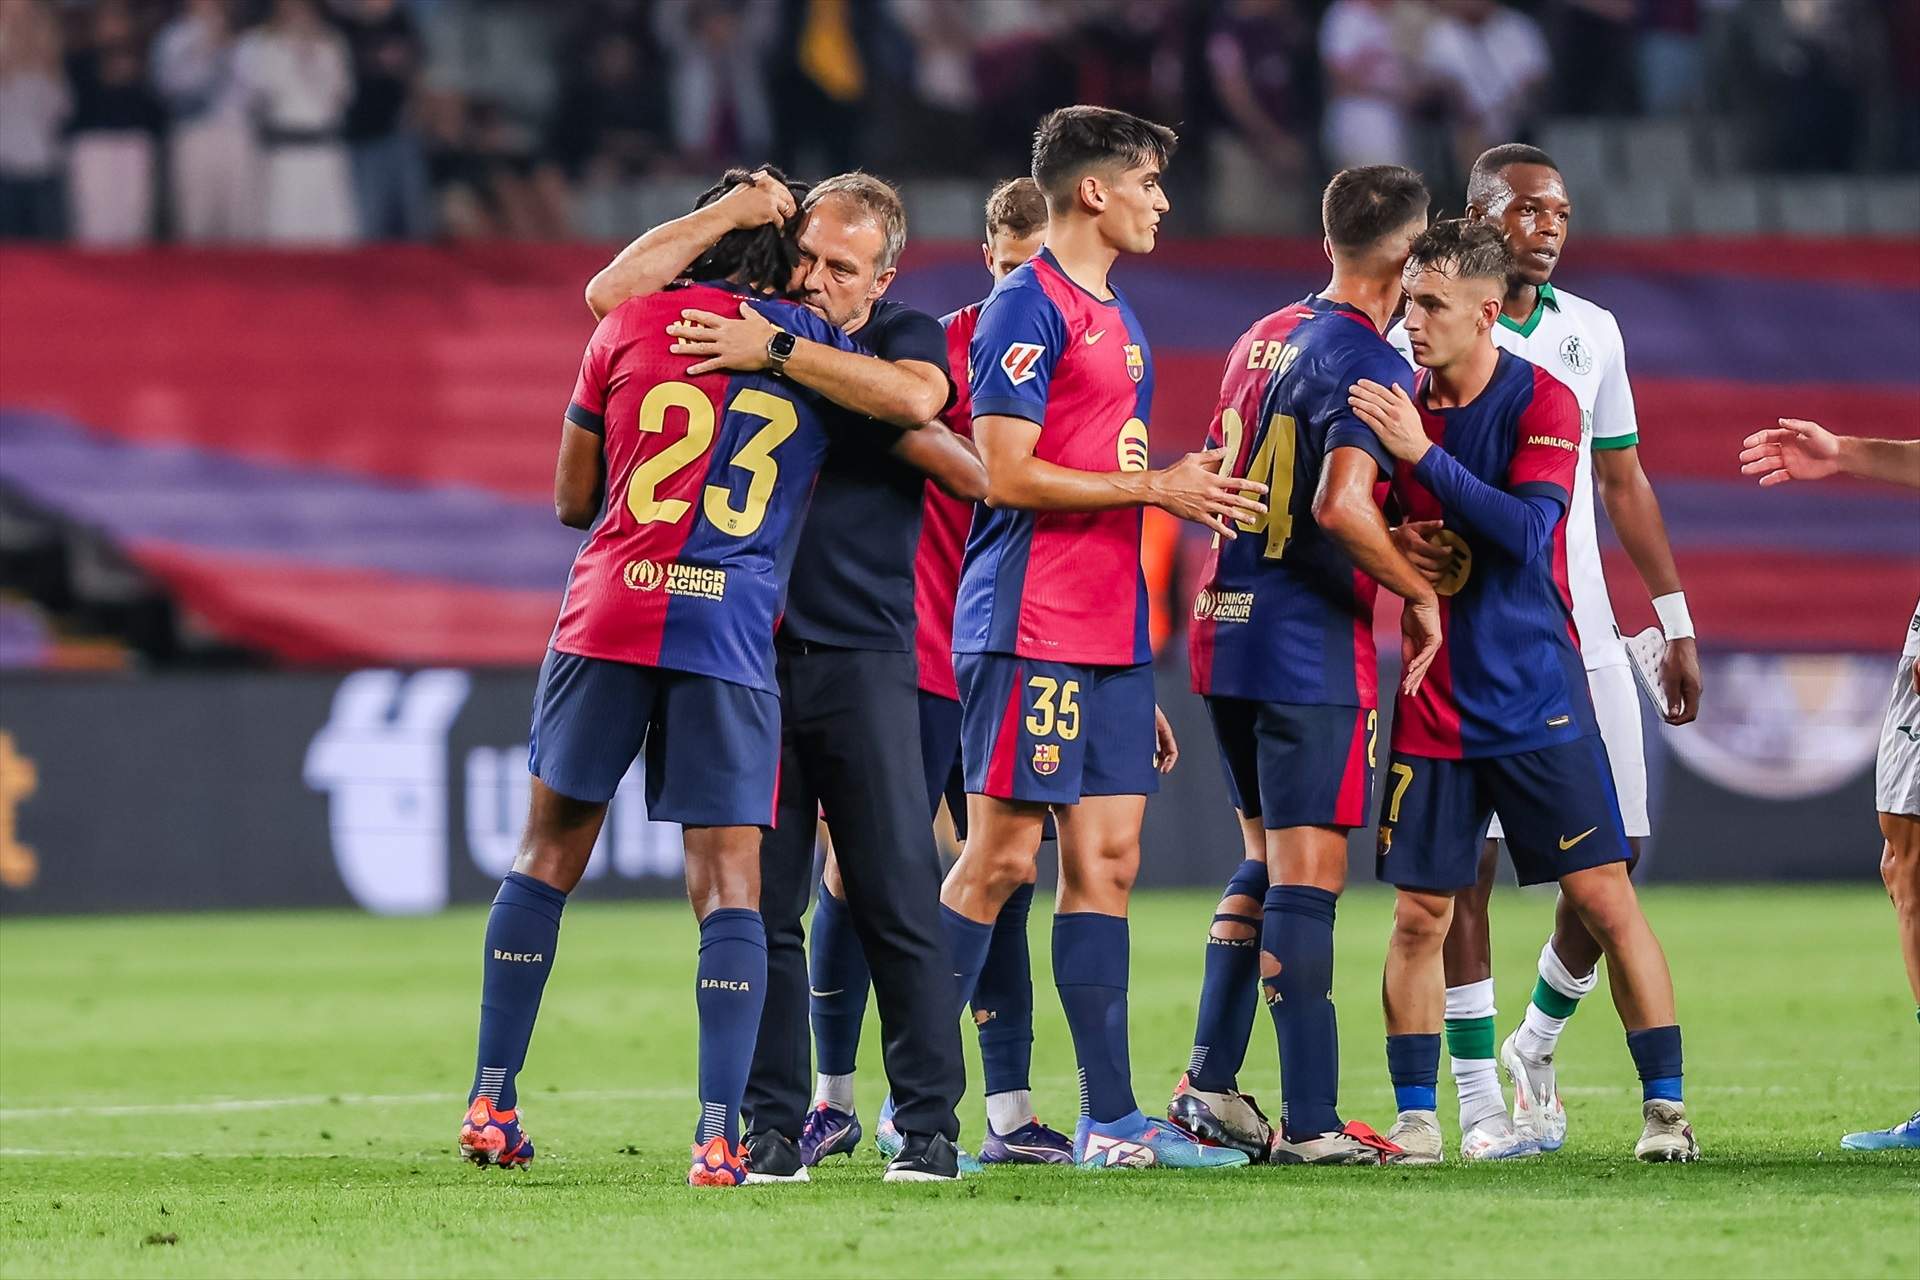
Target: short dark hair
(1495, 161)
(1363, 204)
(1072, 140)
(1016, 207)
(1464, 250)
(761, 258)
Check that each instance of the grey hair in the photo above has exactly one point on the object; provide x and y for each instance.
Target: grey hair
(875, 197)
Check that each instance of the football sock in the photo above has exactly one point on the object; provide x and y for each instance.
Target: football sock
(1230, 990)
(1003, 1000)
(1555, 996)
(1656, 1055)
(1091, 955)
(1009, 1110)
(1413, 1063)
(835, 1091)
(1298, 934)
(967, 943)
(731, 988)
(837, 981)
(1470, 1015)
(522, 931)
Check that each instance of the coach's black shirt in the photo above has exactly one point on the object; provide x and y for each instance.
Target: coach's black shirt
(852, 583)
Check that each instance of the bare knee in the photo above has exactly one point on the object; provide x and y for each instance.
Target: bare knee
(1420, 921)
(1605, 901)
(1234, 919)
(723, 869)
(1900, 872)
(1104, 871)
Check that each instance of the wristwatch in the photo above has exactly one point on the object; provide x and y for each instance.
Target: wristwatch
(780, 349)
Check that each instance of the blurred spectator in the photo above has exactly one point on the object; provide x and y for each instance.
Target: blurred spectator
(943, 92)
(823, 78)
(1127, 55)
(389, 167)
(1669, 56)
(1369, 82)
(34, 104)
(611, 123)
(1489, 63)
(1594, 56)
(1256, 54)
(300, 75)
(717, 79)
(483, 170)
(110, 156)
(213, 156)
(1807, 66)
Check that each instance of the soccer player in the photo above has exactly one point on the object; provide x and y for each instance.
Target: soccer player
(1519, 190)
(691, 486)
(1282, 649)
(1016, 221)
(1488, 445)
(1050, 626)
(1801, 450)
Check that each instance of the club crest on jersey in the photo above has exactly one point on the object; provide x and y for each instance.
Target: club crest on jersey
(1136, 362)
(1046, 758)
(1132, 445)
(1574, 355)
(1459, 568)
(1020, 360)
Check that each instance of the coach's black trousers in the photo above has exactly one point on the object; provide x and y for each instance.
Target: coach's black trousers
(850, 747)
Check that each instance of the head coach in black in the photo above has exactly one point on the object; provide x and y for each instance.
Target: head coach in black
(848, 683)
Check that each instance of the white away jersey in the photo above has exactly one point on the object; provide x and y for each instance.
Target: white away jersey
(1912, 649)
(1578, 343)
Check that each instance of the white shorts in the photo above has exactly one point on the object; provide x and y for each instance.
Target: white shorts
(1896, 775)
(1616, 705)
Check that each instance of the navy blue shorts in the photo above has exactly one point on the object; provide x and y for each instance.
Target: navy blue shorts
(1557, 804)
(1293, 765)
(940, 753)
(713, 747)
(1054, 732)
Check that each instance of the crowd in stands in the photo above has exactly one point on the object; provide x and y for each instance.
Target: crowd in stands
(322, 122)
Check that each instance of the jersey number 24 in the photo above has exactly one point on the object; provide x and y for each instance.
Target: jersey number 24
(1271, 465)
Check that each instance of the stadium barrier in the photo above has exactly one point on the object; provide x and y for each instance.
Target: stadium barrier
(403, 791)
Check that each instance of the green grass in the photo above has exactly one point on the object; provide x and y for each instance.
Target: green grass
(1797, 1020)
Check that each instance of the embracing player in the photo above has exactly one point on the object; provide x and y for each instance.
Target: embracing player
(1050, 627)
(1519, 190)
(1488, 446)
(1282, 649)
(692, 489)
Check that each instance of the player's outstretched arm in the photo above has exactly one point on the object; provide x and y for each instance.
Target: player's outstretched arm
(1802, 450)
(949, 460)
(656, 259)
(1191, 488)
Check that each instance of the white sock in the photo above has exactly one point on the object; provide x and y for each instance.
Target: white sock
(1540, 1031)
(835, 1091)
(1476, 1080)
(1008, 1111)
(1538, 1034)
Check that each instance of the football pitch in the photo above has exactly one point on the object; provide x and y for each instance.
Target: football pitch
(277, 1095)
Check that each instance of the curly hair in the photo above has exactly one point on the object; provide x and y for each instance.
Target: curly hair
(761, 258)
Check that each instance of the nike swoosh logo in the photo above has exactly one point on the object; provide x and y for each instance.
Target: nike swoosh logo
(1568, 844)
(1095, 336)
(822, 995)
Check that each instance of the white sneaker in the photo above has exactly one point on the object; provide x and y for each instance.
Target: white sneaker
(1497, 1138)
(1668, 1136)
(1417, 1134)
(1537, 1110)
(1355, 1144)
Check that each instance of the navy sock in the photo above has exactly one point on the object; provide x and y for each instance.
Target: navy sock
(730, 990)
(1298, 934)
(837, 977)
(1230, 990)
(1413, 1063)
(1090, 961)
(1656, 1055)
(967, 943)
(1003, 999)
(522, 931)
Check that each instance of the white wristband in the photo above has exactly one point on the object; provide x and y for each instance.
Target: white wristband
(1675, 621)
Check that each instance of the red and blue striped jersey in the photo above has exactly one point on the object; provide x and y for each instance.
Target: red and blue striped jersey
(943, 529)
(1508, 677)
(707, 482)
(1061, 586)
(1282, 614)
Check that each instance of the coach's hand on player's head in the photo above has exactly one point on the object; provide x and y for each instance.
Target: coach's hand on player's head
(1680, 680)
(1392, 416)
(1166, 748)
(1194, 489)
(759, 203)
(737, 345)
(1410, 538)
(1419, 640)
(1794, 450)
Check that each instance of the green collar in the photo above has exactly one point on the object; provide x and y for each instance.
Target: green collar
(1546, 300)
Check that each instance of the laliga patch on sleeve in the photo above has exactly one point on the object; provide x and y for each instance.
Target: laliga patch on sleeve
(1019, 361)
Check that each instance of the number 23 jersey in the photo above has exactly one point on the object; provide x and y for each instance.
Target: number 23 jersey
(707, 482)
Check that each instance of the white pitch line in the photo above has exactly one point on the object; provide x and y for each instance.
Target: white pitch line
(213, 1106)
